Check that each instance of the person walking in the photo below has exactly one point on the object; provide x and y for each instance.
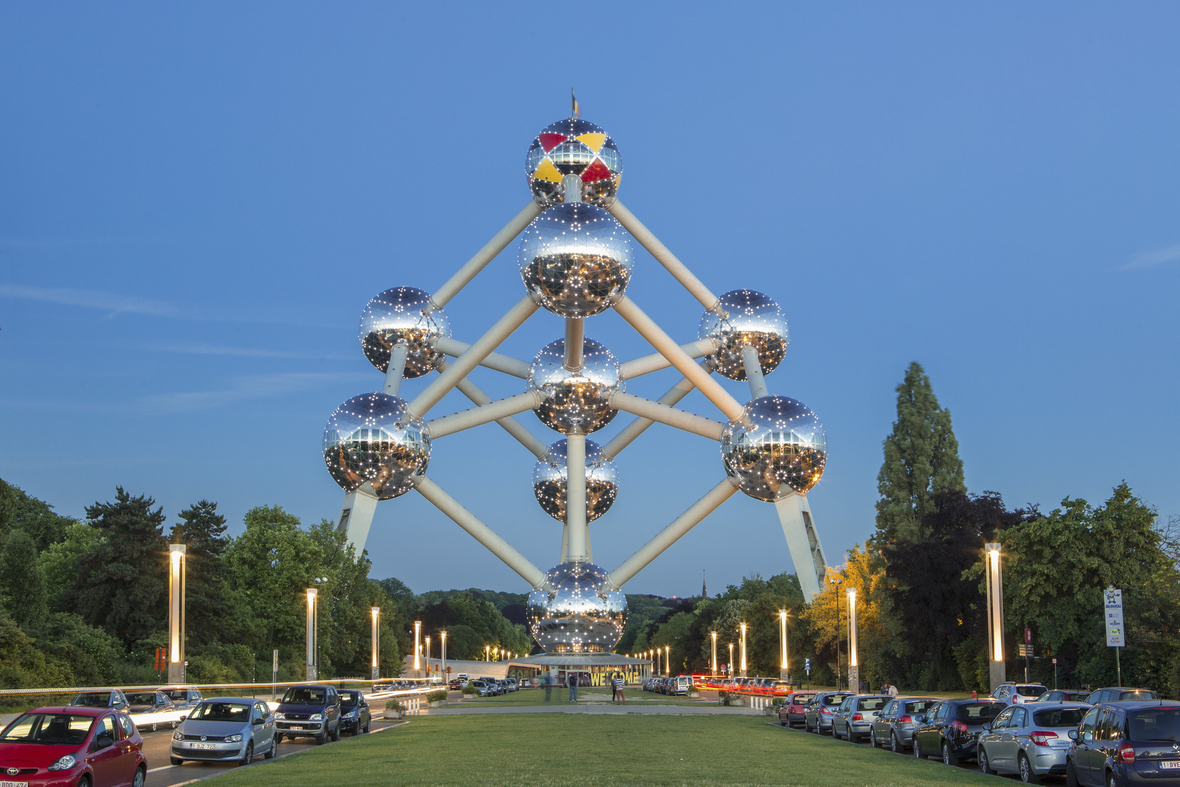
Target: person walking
(548, 686)
(573, 682)
(617, 685)
(892, 690)
(614, 687)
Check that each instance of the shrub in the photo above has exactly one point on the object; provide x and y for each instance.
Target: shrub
(394, 704)
(437, 696)
(468, 688)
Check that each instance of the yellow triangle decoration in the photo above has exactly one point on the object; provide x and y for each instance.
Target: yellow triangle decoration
(593, 141)
(547, 172)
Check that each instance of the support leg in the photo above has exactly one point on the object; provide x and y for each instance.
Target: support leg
(356, 516)
(754, 373)
(395, 370)
(807, 553)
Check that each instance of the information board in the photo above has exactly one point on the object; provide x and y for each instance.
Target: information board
(1113, 598)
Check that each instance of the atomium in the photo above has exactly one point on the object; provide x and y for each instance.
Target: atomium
(576, 402)
(401, 315)
(577, 610)
(574, 258)
(777, 447)
(753, 320)
(550, 476)
(371, 438)
(573, 147)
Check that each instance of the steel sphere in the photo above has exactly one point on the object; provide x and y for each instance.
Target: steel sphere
(573, 147)
(575, 402)
(550, 476)
(777, 447)
(574, 258)
(373, 438)
(399, 316)
(754, 320)
(577, 611)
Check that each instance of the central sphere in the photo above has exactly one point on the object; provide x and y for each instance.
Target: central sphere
(551, 475)
(573, 147)
(754, 321)
(575, 402)
(399, 316)
(373, 438)
(775, 448)
(577, 611)
(574, 258)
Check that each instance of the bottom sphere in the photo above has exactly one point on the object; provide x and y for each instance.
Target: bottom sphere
(577, 611)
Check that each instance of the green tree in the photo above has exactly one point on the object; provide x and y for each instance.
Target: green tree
(22, 585)
(37, 518)
(921, 460)
(59, 561)
(202, 530)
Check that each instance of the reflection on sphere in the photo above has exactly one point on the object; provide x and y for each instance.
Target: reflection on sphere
(777, 447)
(575, 402)
(550, 476)
(754, 320)
(573, 147)
(399, 316)
(372, 438)
(576, 610)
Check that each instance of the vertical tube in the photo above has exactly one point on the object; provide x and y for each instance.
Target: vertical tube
(443, 666)
(782, 617)
(396, 368)
(754, 373)
(575, 335)
(376, 641)
(176, 555)
(743, 649)
(667, 659)
(714, 662)
(575, 502)
(997, 601)
(853, 664)
(311, 632)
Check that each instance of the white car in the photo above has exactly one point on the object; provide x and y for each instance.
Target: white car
(151, 710)
(1018, 693)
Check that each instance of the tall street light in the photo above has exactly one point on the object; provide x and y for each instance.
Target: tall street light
(418, 648)
(731, 659)
(428, 656)
(853, 666)
(443, 668)
(376, 638)
(837, 581)
(997, 670)
(313, 632)
(176, 613)
(714, 633)
(743, 649)
(784, 668)
(667, 659)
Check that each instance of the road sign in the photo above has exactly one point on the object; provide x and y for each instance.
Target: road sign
(807, 665)
(161, 658)
(1113, 601)
(1027, 634)
(1026, 651)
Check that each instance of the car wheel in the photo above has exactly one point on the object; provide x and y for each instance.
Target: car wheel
(918, 749)
(84, 781)
(174, 760)
(336, 732)
(780, 721)
(1071, 776)
(947, 757)
(249, 755)
(140, 776)
(984, 765)
(278, 739)
(322, 738)
(1027, 774)
(895, 744)
(872, 738)
(1110, 782)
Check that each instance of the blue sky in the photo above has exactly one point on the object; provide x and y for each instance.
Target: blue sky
(197, 200)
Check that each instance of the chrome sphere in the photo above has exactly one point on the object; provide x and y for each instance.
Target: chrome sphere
(777, 447)
(577, 611)
(575, 402)
(399, 316)
(573, 147)
(550, 475)
(373, 438)
(574, 258)
(754, 321)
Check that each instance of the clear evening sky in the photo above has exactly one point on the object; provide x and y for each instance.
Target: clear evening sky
(197, 200)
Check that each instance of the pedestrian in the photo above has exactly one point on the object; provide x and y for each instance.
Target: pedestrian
(617, 685)
(548, 686)
(573, 687)
(892, 690)
(614, 687)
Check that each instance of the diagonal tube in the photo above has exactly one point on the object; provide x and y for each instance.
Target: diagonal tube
(754, 373)
(396, 368)
(479, 531)
(639, 425)
(463, 365)
(672, 533)
(629, 370)
(575, 495)
(670, 416)
(495, 361)
(511, 425)
(485, 413)
(482, 257)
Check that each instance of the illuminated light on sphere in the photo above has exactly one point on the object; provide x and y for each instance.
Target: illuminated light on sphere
(573, 147)
(399, 316)
(577, 611)
(575, 402)
(777, 447)
(754, 321)
(550, 475)
(372, 438)
(574, 258)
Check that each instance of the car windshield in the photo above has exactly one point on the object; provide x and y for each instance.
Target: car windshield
(92, 699)
(1156, 724)
(52, 728)
(141, 698)
(800, 699)
(176, 695)
(1030, 691)
(221, 711)
(980, 712)
(868, 703)
(1138, 694)
(349, 699)
(1060, 717)
(305, 695)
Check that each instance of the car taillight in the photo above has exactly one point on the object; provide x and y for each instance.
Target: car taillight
(905, 720)
(858, 717)
(958, 725)
(826, 711)
(1126, 754)
(1041, 738)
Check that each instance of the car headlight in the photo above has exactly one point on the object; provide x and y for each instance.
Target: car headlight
(316, 717)
(234, 738)
(64, 764)
(178, 736)
(280, 717)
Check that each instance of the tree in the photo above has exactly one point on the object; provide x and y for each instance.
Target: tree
(202, 530)
(22, 585)
(20, 510)
(921, 460)
(59, 561)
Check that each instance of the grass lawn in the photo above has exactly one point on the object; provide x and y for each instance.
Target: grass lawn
(551, 750)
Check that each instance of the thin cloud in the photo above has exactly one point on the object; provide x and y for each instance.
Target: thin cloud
(1152, 259)
(245, 352)
(91, 299)
(240, 389)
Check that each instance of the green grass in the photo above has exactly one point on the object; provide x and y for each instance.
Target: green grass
(591, 694)
(556, 750)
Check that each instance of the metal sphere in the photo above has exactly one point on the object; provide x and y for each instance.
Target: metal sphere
(399, 316)
(777, 447)
(373, 438)
(574, 258)
(754, 320)
(573, 147)
(577, 611)
(550, 476)
(575, 402)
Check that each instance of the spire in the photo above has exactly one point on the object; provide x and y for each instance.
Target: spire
(704, 590)
(575, 110)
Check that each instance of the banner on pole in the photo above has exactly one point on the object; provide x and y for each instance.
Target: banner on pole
(1113, 598)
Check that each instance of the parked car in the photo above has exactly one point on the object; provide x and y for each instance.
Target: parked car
(226, 729)
(53, 746)
(819, 711)
(113, 698)
(309, 711)
(1118, 694)
(897, 721)
(485, 688)
(780, 688)
(1017, 693)
(151, 709)
(794, 708)
(355, 716)
(952, 727)
(854, 718)
(1126, 743)
(1030, 740)
(1064, 695)
(183, 697)
(456, 684)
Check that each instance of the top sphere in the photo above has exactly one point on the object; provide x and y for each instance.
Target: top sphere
(775, 448)
(573, 147)
(399, 316)
(754, 320)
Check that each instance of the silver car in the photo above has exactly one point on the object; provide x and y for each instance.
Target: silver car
(854, 718)
(226, 729)
(894, 726)
(1030, 740)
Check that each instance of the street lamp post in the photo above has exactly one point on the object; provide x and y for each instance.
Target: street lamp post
(714, 633)
(418, 648)
(443, 668)
(853, 666)
(667, 659)
(427, 656)
(997, 670)
(176, 632)
(730, 670)
(743, 649)
(376, 638)
(784, 669)
(837, 582)
(312, 633)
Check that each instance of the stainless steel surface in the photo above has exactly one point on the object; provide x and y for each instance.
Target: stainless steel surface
(577, 611)
(754, 321)
(576, 401)
(400, 315)
(574, 258)
(776, 447)
(549, 481)
(573, 147)
(373, 438)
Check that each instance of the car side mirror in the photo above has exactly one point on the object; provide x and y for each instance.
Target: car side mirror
(259, 721)
(1073, 735)
(183, 716)
(103, 741)
(920, 718)
(1087, 737)
(987, 727)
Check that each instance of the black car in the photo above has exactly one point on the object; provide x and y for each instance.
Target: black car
(355, 717)
(309, 711)
(111, 698)
(1118, 694)
(1065, 695)
(1126, 743)
(952, 727)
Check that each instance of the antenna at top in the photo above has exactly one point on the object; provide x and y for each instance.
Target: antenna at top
(575, 110)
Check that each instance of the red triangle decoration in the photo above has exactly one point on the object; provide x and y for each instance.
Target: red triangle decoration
(550, 141)
(596, 171)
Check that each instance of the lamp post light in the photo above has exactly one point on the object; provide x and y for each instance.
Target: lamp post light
(667, 659)
(784, 668)
(853, 666)
(743, 649)
(714, 633)
(997, 670)
(443, 667)
(837, 582)
(376, 638)
(176, 561)
(427, 656)
(418, 648)
(312, 633)
(730, 670)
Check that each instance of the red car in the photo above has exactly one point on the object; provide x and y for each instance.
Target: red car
(72, 747)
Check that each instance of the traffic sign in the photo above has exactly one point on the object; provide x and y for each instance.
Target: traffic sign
(807, 665)
(1027, 634)
(1113, 601)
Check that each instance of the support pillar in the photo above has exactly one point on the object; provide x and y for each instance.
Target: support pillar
(176, 555)
(807, 553)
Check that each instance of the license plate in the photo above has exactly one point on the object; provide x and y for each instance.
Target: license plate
(203, 746)
(294, 727)
(14, 784)
(1170, 765)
